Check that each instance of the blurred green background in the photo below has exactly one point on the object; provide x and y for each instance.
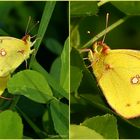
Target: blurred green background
(124, 36)
(87, 99)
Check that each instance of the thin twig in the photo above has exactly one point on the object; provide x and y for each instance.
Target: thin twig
(111, 27)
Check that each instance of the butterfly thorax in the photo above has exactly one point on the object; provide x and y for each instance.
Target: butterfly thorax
(97, 58)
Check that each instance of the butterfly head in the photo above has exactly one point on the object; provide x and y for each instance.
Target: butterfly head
(99, 51)
(100, 48)
(26, 38)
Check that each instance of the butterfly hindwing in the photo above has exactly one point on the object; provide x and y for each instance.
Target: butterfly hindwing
(3, 83)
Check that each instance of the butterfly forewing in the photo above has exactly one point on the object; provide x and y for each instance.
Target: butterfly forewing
(12, 53)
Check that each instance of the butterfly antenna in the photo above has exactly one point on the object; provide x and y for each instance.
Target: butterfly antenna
(33, 27)
(107, 17)
(29, 20)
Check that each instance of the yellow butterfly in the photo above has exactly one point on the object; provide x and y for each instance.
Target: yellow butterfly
(13, 52)
(118, 75)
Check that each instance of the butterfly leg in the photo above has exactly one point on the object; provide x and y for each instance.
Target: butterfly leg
(33, 43)
(90, 58)
(2, 97)
(85, 50)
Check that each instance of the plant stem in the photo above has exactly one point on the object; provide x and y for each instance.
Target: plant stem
(47, 13)
(39, 132)
(14, 102)
(111, 27)
(102, 2)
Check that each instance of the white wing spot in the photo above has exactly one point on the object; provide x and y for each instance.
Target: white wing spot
(135, 79)
(2, 52)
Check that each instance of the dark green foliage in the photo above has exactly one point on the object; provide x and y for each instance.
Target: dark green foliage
(37, 94)
(123, 32)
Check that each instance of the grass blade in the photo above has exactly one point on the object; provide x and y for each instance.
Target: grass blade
(48, 10)
(95, 38)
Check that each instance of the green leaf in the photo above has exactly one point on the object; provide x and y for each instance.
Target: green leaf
(74, 37)
(3, 33)
(83, 132)
(55, 69)
(48, 123)
(82, 8)
(55, 73)
(75, 78)
(87, 82)
(129, 8)
(53, 45)
(95, 100)
(76, 59)
(64, 75)
(60, 117)
(33, 125)
(51, 81)
(105, 125)
(32, 85)
(11, 126)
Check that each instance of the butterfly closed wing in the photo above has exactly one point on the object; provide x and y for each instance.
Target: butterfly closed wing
(13, 52)
(118, 75)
